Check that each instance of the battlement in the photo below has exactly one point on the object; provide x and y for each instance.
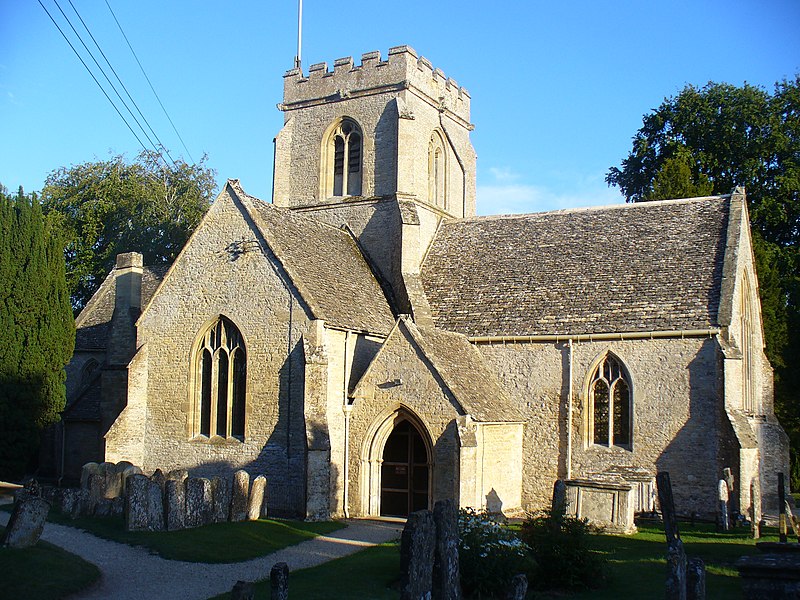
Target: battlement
(403, 69)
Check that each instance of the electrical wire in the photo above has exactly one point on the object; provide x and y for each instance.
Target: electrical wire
(175, 129)
(103, 54)
(113, 87)
(88, 70)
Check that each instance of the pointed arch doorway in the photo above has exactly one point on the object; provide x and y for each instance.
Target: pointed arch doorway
(398, 466)
(405, 472)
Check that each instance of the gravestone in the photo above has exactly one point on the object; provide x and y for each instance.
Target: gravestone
(221, 498)
(240, 495)
(676, 556)
(174, 505)
(136, 500)
(279, 581)
(243, 590)
(256, 501)
(559, 505)
(722, 517)
(155, 506)
(115, 482)
(755, 508)
(118, 506)
(26, 523)
(178, 475)
(104, 508)
(518, 588)
(159, 478)
(199, 504)
(781, 510)
(90, 468)
(417, 547)
(96, 486)
(695, 579)
(446, 575)
(70, 502)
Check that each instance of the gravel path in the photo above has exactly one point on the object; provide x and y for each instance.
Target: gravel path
(132, 573)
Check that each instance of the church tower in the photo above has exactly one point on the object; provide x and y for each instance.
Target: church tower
(382, 149)
(381, 128)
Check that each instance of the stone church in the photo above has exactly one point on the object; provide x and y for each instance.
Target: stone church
(371, 345)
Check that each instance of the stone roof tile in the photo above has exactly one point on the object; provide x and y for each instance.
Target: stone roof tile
(637, 267)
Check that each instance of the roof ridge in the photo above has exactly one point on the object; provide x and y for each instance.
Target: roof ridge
(585, 209)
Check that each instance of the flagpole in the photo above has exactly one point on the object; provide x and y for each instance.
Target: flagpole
(297, 57)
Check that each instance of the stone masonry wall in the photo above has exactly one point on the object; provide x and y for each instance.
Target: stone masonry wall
(206, 282)
(677, 404)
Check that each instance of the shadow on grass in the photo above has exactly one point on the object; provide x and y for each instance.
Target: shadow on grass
(43, 572)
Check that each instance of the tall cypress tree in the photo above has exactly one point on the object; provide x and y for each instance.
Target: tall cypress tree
(37, 331)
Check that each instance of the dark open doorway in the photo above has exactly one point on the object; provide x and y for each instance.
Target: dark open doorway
(404, 472)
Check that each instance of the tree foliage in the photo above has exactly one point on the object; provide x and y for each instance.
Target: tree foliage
(110, 206)
(37, 331)
(712, 139)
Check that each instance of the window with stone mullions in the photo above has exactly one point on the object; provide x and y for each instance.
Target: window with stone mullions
(347, 150)
(221, 374)
(610, 398)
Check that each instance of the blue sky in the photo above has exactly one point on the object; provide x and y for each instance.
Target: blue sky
(558, 88)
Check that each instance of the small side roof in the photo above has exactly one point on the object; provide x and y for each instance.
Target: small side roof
(651, 266)
(325, 265)
(92, 326)
(460, 366)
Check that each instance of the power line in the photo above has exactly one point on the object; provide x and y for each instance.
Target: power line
(97, 64)
(88, 70)
(189, 154)
(160, 144)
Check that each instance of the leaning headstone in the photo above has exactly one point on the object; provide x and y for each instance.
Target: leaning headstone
(136, 500)
(518, 588)
(256, 500)
(695, 579)
(446, 575)
(559, 506)
(722, 518)
(240, 495)
(89, 468)
(676, 557)
(417, 545)
(174, 505)
(279, 581)
(243, 590)
(26, 523)
(221, 499)
(199, 503)
(755, 508)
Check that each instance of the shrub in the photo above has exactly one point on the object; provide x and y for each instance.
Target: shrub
(489, 555)
(560, 547)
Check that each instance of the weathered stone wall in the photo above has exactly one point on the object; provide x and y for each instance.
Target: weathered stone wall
(205, 282)
(677, 405)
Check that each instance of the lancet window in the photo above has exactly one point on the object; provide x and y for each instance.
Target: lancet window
(437, 170)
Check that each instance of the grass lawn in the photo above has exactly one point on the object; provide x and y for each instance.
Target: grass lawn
(637, 568)
(370, 574)
(43, 572)
(218, 543)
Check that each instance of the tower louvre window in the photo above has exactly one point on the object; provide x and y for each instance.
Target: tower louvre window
(345, 161)
(437, 171)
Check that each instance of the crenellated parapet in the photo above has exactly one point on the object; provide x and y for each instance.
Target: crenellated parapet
(403, 69)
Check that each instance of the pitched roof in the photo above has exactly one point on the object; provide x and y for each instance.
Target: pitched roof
(92, 326)
(651, 266)
(325, 265)
(461, 368)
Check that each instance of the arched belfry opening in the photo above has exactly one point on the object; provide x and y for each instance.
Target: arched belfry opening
(399, 466)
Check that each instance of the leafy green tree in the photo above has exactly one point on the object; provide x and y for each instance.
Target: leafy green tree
(709, 140)
(108, 207)
(37, 331)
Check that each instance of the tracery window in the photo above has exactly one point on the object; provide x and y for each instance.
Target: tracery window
(220, 378)
(437, 170)
(610, 404)
(344, 160)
